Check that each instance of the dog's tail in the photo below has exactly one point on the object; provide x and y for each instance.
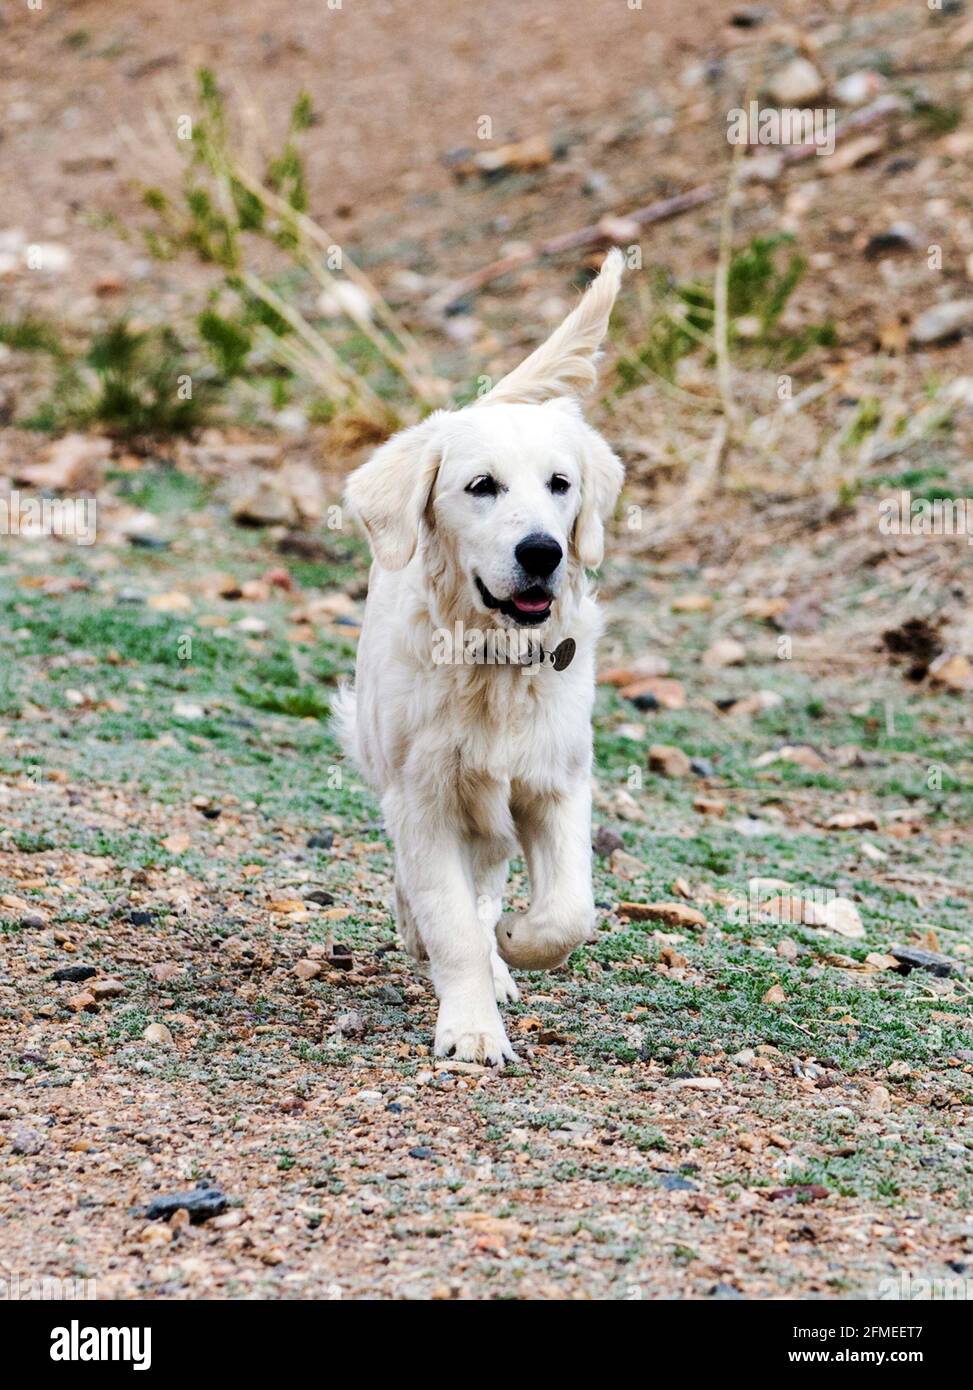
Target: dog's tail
(566, 362)
(344, 721)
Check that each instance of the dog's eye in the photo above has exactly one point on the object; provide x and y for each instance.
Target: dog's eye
(559, 483)
(484, 486)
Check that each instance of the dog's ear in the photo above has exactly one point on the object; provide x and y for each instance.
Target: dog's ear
(602, 475)
(566, 362)
(389, 493)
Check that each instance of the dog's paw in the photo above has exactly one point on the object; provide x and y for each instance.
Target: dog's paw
(528, 946)
(469, 1041)
(503, 982)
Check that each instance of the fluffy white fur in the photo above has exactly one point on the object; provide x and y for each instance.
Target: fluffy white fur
(475, 762)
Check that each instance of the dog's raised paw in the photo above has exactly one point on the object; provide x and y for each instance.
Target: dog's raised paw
(527, 946)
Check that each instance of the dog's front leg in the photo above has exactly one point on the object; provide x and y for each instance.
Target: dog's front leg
(434, 870)
(555, 832)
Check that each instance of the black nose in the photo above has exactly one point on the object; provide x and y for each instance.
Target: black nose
(538, 555)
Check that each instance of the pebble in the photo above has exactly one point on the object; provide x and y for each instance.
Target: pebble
(319, 897)
(185, 709)
(668, 760)
(201, 1203)
(942, 322)
(879, 1100)
(27, 1141)
(796, 84)
(859, 87)
(321, 839)
(725, 651)
(158, 1033)
(674, 1182)
(606, 841)
(913, 958)
(672, 914)
(73, 974)
(79, 1002)
(108, 988)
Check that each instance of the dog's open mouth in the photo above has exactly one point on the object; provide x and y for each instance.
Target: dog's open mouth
(529, 607)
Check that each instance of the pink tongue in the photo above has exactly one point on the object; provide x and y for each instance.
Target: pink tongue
(531, 605)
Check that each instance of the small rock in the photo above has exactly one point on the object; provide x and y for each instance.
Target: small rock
(852, 820)
(84, 1001)
(675, 1182)
(201, 1203)
(748, 17)
(912, 958)
(859, 87)
(901, 236)
(702, 767)
(639, 670)
(798, 83)
(74, 463)
(839, 915)
(27, 1141)
(668, 761)
(186, 709)
(351, 1025)
(228, 1220)
(879, 1100)
(692, 603)
(109, 988)
(158, 1033)
(164, 971)
(265, 503)
(533, 153)
(319, 897)
(655, 692)
(321, 839)
(625, 865)
(756, 703)
(953, 673)
(606, 841)
(74, 974)
(725, 651)
(774, 995)
(420, 1151)
(696, 1083)
(673, 914)
(307, 969)
(942, 322)
(33, 921)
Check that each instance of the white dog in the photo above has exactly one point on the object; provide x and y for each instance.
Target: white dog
(482, 519)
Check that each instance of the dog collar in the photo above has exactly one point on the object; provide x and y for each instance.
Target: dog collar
(562, 655)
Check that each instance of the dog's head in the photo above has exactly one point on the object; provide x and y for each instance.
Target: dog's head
(509, 495)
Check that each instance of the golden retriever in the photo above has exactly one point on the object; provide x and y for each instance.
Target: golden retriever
(482, 523)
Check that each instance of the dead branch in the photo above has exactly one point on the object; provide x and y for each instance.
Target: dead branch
(617, 229)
